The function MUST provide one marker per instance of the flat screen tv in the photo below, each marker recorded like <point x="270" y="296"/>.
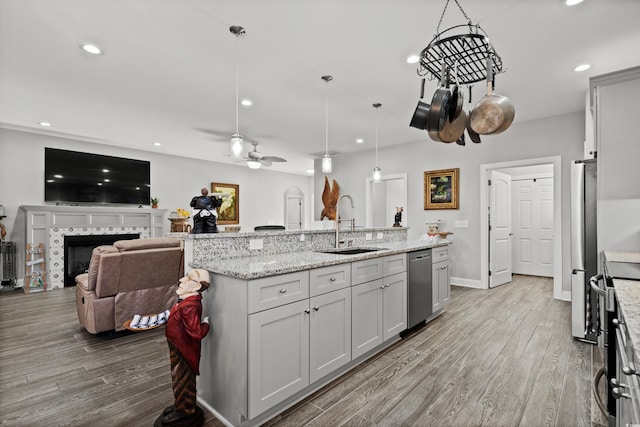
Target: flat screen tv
<point x="73" y="177"/>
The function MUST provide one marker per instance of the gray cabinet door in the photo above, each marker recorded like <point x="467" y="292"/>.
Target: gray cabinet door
<point x="366" y="317"/>
<point x="330" y="333"/>
<point x="394" y="305"/>
<point x="440" y="285"/>
<point x="278" y="355"/>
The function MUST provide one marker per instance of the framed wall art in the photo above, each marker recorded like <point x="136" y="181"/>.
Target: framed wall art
<point x="229" y="211"/>
<point x="441" y="189"/>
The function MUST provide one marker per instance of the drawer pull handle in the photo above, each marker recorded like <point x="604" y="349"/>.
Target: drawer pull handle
<point x="283" y="290"/>
<point x="382" y="287"/>
<point x="387" y="285"/>
<point x="333" y="279"/>
<point x="306" y="310"/>
<point x="618" y="394"/>
<point x="615" y="383"/>
<point x="316" y="308"/>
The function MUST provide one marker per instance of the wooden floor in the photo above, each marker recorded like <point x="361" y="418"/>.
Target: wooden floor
<point x="500" y="357"/>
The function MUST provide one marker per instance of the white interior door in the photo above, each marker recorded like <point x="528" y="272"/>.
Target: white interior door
<point x="533" y="227"/>
<point x="500" y="229"/>
<point x="294" y="213"/>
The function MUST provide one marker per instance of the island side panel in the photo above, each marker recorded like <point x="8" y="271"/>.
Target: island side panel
<point x="223" y="368"/>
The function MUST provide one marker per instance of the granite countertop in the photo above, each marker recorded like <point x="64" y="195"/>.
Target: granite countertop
<point x="622" y="256"/>
<point x="628" y="294"/>
<point x="256" y="267"/>
<point x="256" y="234"/>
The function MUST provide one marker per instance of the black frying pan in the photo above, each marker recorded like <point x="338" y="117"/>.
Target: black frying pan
<point x="439" y="111"/>
<point x="419" y="118"/>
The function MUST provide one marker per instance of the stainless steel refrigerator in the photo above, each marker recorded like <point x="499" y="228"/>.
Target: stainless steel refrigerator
<point x="584" y="249"/>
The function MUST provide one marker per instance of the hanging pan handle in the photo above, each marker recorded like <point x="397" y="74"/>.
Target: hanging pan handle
<point x="422" y="89"/>
<point x="489" y="75"/>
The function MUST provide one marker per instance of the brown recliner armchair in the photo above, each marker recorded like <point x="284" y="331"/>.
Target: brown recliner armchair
<point x="130" y="277"/>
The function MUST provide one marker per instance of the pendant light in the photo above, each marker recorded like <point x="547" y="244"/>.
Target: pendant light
<point x="237" y="142"/>
<point x="326" y="159"/>
<point x="377" y="174"/>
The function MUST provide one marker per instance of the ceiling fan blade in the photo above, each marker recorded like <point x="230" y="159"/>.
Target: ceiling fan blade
<point x="265" y="162"/>
<point x="273" y="159"/>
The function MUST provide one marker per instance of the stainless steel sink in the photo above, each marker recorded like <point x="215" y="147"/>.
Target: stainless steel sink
<point x="350" y="251"/>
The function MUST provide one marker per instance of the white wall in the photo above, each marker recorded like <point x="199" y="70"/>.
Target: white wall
<point x="555" y="136"/>
<point x="174" y="180"/>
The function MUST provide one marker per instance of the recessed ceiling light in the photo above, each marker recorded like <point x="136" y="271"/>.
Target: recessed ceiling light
<point x="359" y="140"/>
<point x="100" y="183"/>
<point x="105" y="170"/>
<point x="157" y="144"/>
<point x="51" y="180"/>
<point x="57" y="176"/>
<point x="412" y="59"/>
<point x="246" y="102"/>
<point x="310" y="171"/>
<point x="107" y="180"/>
<point x="572" y="2"/>
<point x="92" y="49"/>
<point x="45" y="124"/>
<point x="582" y="67"/>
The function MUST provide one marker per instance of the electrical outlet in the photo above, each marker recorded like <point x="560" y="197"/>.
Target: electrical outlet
<point x="462" y="223"/>
<point x="379" y="236"/>
<point x="255" y="244"/>
<point x="368" y="236"/>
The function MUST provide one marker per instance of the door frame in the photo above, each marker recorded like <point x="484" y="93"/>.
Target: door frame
<point x="558" y="266"/>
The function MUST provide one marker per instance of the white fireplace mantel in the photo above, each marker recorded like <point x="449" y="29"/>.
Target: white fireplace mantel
<point x="49" y="224"/>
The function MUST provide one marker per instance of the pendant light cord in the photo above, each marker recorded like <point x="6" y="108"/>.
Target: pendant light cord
<point x="326" y="122"/>
<point x="377" y="106"/>
<point x="237" y="81"/>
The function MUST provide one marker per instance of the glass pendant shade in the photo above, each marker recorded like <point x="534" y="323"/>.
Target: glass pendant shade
<point x="236" y="145"/>
<point x="326" y="164"/>
<point x="377" y="174"/>
<point x="254" y="165"/>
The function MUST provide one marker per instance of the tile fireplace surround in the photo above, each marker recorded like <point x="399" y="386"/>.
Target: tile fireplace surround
<point x="49" y="225"/>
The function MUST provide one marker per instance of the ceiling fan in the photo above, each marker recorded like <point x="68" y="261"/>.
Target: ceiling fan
<point x="255" y="159"/>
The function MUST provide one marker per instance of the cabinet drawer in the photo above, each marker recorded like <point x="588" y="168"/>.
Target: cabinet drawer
<point x="327" y="279"/>
<point x="278" y="290"/>
<point x="393" y="264"/>
<point x="440" y="254"/>
<point x="366" y="270"/>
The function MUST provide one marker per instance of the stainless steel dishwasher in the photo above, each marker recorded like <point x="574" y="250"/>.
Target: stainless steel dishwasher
<point x="419" y="304"/>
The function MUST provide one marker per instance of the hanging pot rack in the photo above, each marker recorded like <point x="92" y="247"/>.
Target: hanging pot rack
<point x="468" y="51"/>
<point x="464" y="46"/>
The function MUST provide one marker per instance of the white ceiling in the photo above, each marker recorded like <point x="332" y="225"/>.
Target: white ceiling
<point x="169" y="71"/>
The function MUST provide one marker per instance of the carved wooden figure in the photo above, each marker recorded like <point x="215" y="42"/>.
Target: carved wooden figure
<point x="330" y="197"/>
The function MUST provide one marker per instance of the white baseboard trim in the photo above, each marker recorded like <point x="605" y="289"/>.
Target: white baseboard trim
<point x="467" y="283"/>
<point x="566" y="296"/>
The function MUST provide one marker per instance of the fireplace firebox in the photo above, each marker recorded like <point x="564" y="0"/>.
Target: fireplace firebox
<point x="77" y="252"/>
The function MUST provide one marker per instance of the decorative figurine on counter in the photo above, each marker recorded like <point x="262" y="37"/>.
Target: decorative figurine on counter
<point x="205" y="217"/>
<point x="398" y="217"/>
<point x="184" y="334"/>
<point x="330" y="198"/>
<point x="434" y="234"/>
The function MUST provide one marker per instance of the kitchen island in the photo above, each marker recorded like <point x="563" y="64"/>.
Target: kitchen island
<point x="285" y="324"/>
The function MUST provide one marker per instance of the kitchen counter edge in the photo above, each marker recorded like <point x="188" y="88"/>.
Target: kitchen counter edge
<point x="256" y="267"/>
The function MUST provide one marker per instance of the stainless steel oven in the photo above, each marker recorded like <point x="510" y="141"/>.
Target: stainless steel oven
<point x="623" y="387"/>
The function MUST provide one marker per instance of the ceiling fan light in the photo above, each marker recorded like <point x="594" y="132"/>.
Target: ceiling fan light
<point x="326" y="164"/>
<point x="253" y="164"/>
<point x="236" y="145"/>
<point x="377" y="174"/>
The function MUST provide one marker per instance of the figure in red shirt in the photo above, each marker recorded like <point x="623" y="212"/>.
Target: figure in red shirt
<point x="184" y="332"/>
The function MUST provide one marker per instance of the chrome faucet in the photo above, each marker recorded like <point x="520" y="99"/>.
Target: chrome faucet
<point x="338" y="218"/>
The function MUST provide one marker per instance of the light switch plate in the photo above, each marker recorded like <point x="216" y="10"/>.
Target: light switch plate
<point x="255" y="244"/>
<point x="462" y="223"/>
<point x="302" y="237"/>
<point x="379" y="236"/>
<point x="368" y="236"/>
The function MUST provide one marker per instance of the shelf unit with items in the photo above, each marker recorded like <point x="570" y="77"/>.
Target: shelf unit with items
<point x="36" y="278"/>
